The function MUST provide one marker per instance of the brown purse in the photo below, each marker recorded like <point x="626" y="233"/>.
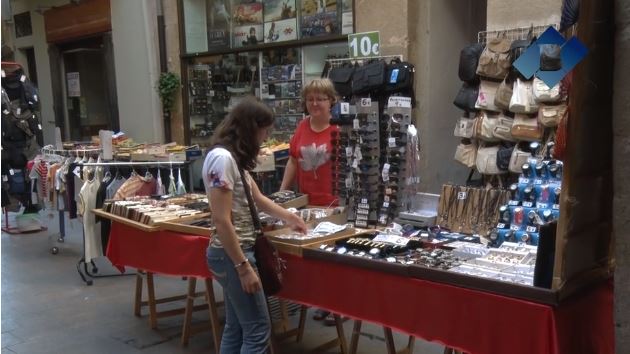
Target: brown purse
<point x="270" y="265"/>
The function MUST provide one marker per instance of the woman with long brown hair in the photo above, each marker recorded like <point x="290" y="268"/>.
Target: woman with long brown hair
<point x="236" y="143"/>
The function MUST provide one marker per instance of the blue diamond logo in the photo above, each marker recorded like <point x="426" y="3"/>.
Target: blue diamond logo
<point x="571" y="53"/>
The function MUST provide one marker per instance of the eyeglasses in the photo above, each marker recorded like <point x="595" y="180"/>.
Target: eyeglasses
<point x="311" y="100"/>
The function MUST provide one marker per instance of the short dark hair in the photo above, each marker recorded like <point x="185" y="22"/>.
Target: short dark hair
<point x="237" y="132"/>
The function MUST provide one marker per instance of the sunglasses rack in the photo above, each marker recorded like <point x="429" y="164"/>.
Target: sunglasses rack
<point x="395" y="124"/>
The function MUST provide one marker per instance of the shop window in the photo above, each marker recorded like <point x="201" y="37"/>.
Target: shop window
<point x="219" y="25"/>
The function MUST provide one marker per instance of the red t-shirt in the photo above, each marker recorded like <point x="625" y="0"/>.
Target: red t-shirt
<point x="312" y="151"/>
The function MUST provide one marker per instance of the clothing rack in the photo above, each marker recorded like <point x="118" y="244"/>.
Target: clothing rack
<point x="340" y="61"/>
<point x="514" y="33"/>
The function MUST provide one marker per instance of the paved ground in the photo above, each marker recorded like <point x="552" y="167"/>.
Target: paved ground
<point x="46" y="308"/>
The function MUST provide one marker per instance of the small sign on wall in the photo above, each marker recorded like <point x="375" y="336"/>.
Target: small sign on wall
<point x="73" y="84"/>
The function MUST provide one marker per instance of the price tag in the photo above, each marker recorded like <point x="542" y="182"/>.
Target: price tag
<point x="364" y="206"/>
<point x="461" y="195"/>
<point x="385" y="204"/>
<point x="542" y="205"/>
<point x="555" y="207"/>
<point x="523" y="180"/>
<point x="389" y="259"/>
<point x="531" y="229"/>
<point x="19" y="111"/>
<point x="35" y="98"/>
<point x="5" y="178"/>
<point x="23" y="78"/>
<point x="500" y="225"/>
<point x="211" y="93"/>
<point x="355" y="163"/>
<point x="392" y="142"/>
<point x="366" y="102"/>
<point x="538" y="181"/>
<point x="360" y="223"/>
<point x="528" y="204"/>
<point x="349" y="151"/>
<point x="77" y="171"/>
<point x="4" y="74"/>
<point x="11" y="172"/>
<point x="364" y="200"/>
<point x="388" y="191"/>
<point x="357" y="153"/>
<point x="514" y="202"/>
<point x="348" y="182"/>
<point x="515" y="227"/>
<point x="393" y="239"/>
<point x="6" y="111"/>
<point x="386" y="198"/>
<point x="363" y="211"/>
<point x="362" y="217"/>
<point x="39" y="126"/>
<point x="355" y="124"/>
<point x="345" y="108"/>
<point x="398" y="101"/>
<point x="385" y="173"/>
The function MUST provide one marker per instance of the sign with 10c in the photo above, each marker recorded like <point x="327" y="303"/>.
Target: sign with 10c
<point x="366" y="44"/>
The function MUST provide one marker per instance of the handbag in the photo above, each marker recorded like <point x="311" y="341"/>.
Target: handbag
<point x="487" y="160"/>
<point x="341" y="78"/>
<point x="484" y="126"/>
<point x="464" y="128"/>
<point x="467" y="97"/>
<point x="550" y="116"/>
<point x="526" y="128"/>
<point x="522" y="100"/>
<point x="504" y="94"/>
<point x="399" y="76"/>
<point x="466" y="153"/>
<point x="369" y="77"/>
<point x="504" y="157"/>
<point x="270" y="265"/>
<point x="519" y="157"/>
<point x="495" y="59"/>
<point x="486" y="96"/>
<point x="550" y="59"/>
<point x="503" y="129"/>
<point x="468" y="62"/>
<point x="543" y="93"/>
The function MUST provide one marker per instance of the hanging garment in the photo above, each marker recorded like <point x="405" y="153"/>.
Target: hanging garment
<point x="172" y="188"/>
<point x="160" y="189"/>
<point x="147" y="187"/>
<point x="93" y="247"/>
<point x="129" y="188"/>
<point x="181" y="188"/>
<point x="114" y="185"/>
<point x="105" y="224"/>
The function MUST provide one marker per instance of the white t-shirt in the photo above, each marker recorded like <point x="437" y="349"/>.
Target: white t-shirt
<point x="221" y="171"/>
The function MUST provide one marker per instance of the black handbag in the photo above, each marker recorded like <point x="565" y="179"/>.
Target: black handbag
<point x="399" y="76"/>
<point x="550" y="59"/>
<point x="341" y="78"/>
<point x="270" y="265"/>
<point x="466" y="97"/>
<point x="369" y="77"/>
<point x="468" y="62"/>
<point x="503" y="157"/>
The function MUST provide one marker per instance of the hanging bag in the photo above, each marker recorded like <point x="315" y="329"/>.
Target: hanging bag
<point x="368" y="77"/>
<point x="270" y="265"/>
<point x="550" y="59"/>
<point x="503" y="129"/>
<point x="485" y="123"/>
<point x="487" y="160"/>
<point x="504" y="94"/>
<point x="464" y="128"/>
<point x="519" y="157"/>
<point x="526" y="128"/>
<point x="341" y="78"/>
<point x="399" y="76"/>
<point x="522" y="100"/>
<point x="466" y="153"/>
<point x="468" y="62"/>
<point x="544" y="93"/>
<point x="495" y="59"/>
<point x="467" y="97"/>
<point x="486" y="97"/>
<point x="550" y="116"/>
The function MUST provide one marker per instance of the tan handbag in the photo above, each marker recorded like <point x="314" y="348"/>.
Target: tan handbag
<point x="466" y="153"/>
<point x="544" y="93"/>
<point x="484" y="126"/>
<point x="550" y="116"/>
<point x="487" y="161"/>
<point x="503" y="129"/>
<point x="494" y="61"/>
<point x="504" y="95"/>
<point x="464" y="128"/>
<point x="518" y="158"/>
<point x="526" y="128"/>
<point x="486" y="96"/>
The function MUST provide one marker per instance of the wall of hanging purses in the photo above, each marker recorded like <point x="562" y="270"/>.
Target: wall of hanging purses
<point x="372" y="170"/>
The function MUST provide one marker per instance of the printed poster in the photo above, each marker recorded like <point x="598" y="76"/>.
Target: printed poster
<point x="248" y="35"/>
<point x="319" y="24"/>
<point x="279" y="31"/>
<point x="346" y="23"/>
<point x="218" y="14"/>
<point x="248" y="14"/>
<point x="312" y="7"/>
<point x="73" y="83"/>
<point x="277" y="10"/>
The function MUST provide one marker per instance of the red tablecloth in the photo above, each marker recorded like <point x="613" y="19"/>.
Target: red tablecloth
<point x="161" y="252"/>
<point x="473" y="321"/>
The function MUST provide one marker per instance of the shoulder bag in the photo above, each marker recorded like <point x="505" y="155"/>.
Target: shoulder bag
<point x="270" y="265"/>
<point x="468" y="62"/>
<point x="526" y="128"/>
<point x="368" y="77"/>
<point x="486" y="97"/>
<point x="550" y="116"/>
<point x="341" y="78"/>
<point x="522" y="100"/>
<point x="544" y="93"/>
<point x="495" y="59"/>
<point x="467" y="97"/>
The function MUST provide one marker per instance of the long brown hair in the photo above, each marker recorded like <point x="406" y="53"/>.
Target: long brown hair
<point x="238" y="131"/>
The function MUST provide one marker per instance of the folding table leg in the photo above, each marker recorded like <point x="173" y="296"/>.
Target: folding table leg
<point x="354" y="341"/>
<point x="190" y="301"/>
<point x="151" y="301"/>
<point x="389" y="341"/>
<point x="137" y="304"/>
<point x="214" y="316"/>
<point x="303" y="312"/>
<point x="343" y="347"/>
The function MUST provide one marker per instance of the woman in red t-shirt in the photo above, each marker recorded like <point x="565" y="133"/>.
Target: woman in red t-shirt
<point x="310" y="148"/>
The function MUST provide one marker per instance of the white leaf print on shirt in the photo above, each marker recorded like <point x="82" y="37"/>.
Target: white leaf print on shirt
<point x="313" y="156"/>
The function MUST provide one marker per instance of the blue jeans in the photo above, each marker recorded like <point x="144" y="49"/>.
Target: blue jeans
<point x="247" y="323"/>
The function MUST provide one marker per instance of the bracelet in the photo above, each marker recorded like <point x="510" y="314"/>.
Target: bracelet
<point x="236" y="266"/>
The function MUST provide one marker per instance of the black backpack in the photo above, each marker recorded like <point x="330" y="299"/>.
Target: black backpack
<point x="468" y="61"/>
<point x="341" y="78"/>
<point x="399" y="77"/>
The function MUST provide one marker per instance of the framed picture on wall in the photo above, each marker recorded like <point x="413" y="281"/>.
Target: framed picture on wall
<point x="278" y="10"/>
<point x="248" y="14"/>
<point x="319" y="18"/>
<point x="248" y="35"/>
<point x="278" y="31"/>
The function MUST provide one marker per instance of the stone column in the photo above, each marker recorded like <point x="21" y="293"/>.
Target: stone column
<point x="171" y="23"/>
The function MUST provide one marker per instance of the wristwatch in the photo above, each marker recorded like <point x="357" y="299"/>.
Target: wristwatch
<point x="236" y="266"/>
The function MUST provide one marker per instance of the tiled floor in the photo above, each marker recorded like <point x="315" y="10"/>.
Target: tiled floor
<point x="46" y="308"/>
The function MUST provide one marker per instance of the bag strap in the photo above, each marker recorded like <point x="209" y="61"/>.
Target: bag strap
<point x="252" y="207"/>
